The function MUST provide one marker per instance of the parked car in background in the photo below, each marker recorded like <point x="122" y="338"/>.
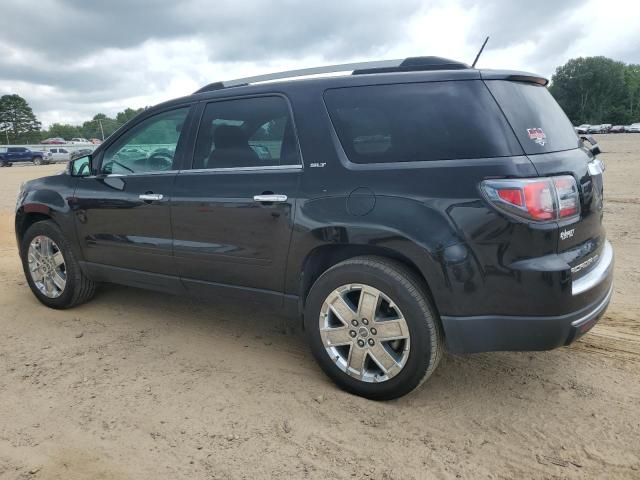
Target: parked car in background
<point x="11" y="155"/>
<point x="634" y="128"/>
<point x="78" y="140"/>
<point x="584" y="128"/>
<point x="605" y="127"/>
<point x="60" y="154"/>
<point x="595" y="129"/>
<point x="54" y="141"/>
<point x="391" y="244"/>
<point x="617" y="129"/>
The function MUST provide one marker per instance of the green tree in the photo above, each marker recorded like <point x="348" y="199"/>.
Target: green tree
<point x="18" y="124"/>
<point x="100" y="124"/>
<point x="64" y="131"/>
<point x="127" y="114"/>
<point x="591" y="89"/>
<point x="632" y="81"/>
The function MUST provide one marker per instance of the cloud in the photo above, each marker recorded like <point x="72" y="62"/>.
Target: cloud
<point x="73" y="58"/>
<point x="232" y="30"/>
<point x="510" y="22"/>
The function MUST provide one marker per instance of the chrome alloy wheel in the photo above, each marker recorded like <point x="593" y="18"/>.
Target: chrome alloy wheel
<point x="46" y="266"/>
<point x="364" y="333"/>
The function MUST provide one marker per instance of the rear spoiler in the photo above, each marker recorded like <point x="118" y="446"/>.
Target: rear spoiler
<point x="513" y="76"/>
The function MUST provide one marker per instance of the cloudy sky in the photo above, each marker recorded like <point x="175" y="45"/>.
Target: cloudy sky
<point x="73" y="58"/>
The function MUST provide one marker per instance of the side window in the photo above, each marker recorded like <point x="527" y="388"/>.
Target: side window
<point x="62" y="150"/>
<point x="148" y="147"/>
<point x="420" y="122"/>
<point x="248" y="132"/>
<point x="370" y="128"/>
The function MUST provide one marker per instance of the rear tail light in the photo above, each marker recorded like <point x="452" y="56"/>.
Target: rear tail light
<point x="537" y="199"/>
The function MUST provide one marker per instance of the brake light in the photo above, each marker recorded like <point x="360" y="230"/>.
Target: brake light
<point x="511" y="195"/>
<point x="567" y="191"/>
<point x="537" y="199"/>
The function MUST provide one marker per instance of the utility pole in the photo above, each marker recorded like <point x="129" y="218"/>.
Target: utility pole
<point x="101" y="129"/>
<point x="7" y="134"/>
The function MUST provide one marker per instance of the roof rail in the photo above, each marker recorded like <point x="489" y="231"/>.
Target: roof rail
<point x="381" y="66"/>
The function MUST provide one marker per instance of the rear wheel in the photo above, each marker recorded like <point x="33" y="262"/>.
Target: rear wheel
<point x="37" y="160"/>
<point x="372" y="328"/>
<point x="51" y="269"/>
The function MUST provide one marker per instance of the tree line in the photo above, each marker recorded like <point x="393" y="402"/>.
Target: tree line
<point x="598" y="90"/>
<point x="19" y="125"/>
<point x="591" y="90"/>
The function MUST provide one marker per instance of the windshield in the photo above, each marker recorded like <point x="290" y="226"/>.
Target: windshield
<point x="540" y="124"/>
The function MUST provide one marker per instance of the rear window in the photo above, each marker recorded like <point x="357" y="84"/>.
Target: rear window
<point x="420" y="121"/>
<point x="540" y="124"/>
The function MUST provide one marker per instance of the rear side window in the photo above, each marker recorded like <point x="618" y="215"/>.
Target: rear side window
<point x="420" y="121"/>
<point x="246" y="133"/>
<point x="539" y="122"/>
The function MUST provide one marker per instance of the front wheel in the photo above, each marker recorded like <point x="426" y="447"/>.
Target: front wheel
<point x="37" y="161"/>
<point x="372" y="328"/>
<point x="51" y="269"/>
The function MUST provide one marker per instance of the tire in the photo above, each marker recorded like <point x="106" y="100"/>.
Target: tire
<point x="77" y="289"/>
<point x="37" y="160"/>
<point x="402" y="296"/>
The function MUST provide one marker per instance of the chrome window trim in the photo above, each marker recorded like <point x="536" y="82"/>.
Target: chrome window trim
<point x="243" y="169"/>
<point x="141" y="174"/>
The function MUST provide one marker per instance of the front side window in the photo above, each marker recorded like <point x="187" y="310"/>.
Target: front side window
<point x="420" y="122"/>
<point x="148" y="147"/>
<point x="248" y="132"/>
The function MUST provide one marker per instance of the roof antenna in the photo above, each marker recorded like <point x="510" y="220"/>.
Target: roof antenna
<point x="479" y="53"/>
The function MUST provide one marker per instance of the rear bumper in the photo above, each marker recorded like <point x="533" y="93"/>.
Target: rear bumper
<point x="497" y="333"/>
<point x="527" y="333"/>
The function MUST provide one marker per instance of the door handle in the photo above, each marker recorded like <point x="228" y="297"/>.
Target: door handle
<point x="150" y="197"/>
<point x="274" y="198"/>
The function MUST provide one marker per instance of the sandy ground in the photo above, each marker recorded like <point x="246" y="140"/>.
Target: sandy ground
<point x="147" y="386"/>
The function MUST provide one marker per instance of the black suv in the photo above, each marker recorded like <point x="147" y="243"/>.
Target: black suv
<point x="401" y="209"/>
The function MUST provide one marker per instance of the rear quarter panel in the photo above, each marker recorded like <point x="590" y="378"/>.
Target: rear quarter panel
<point x="429" y="212"/>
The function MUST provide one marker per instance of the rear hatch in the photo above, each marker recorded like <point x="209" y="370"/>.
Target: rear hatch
<point x="550" y="142"/>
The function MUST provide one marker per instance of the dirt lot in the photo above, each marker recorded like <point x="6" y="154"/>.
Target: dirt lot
<point x="142" y="385"/>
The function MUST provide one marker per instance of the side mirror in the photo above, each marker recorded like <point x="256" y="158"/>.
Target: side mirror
<point x="80" y="167"/>
<point x="595" y="148"/>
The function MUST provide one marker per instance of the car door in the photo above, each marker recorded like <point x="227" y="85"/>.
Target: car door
<point x="15" y="154"/>
<point x="232" y="213"/>
<point x="59" y="154"/>
<point x="122" y="211"/>
<point x="24" y="154"/>
<point x="9" y="155"/>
